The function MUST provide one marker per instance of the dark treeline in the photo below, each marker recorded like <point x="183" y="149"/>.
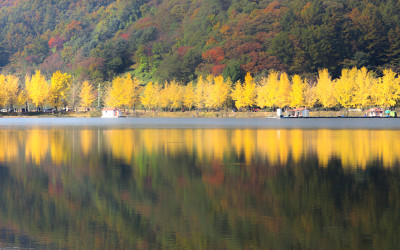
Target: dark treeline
<point x="181" y="39"/>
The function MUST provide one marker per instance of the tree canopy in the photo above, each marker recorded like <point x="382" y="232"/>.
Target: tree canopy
<point x="182" y="40"/>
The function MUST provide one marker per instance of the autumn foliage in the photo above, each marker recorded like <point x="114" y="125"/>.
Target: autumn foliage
<point x="355" y="88"/>
<point x="160" y="41"/>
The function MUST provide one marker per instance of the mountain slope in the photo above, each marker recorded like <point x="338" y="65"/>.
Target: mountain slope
<point x="159" y="40"/>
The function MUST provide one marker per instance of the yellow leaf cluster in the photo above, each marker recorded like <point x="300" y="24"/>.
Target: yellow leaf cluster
<point x="345" y="86"/>
<point x="268" y="90"/>
<point x="354" y="88"/>
<point x="388" y="88"/>
<point x="200" y="93"/>
<point x="123" y="92"/>
<point x="325" y="89"/>
<point x="37" y="89"/>
<point x="87" y="95"/>
<point x="171" y="96"/>
<point x="188" y="96"/>
<point x="298" y="93"/>
<point x="150" y="95"/>
<point x="217" y="93"/>
<point x="60" y="84"/>
<point x="9" y="87"/>
<point x="244" y="94"/>
<point x="365" y="85"/>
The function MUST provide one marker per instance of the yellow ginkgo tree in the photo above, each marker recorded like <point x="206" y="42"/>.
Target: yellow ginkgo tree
<point x="171" y="96"/>
<point x="237" y="95"/>
<point x="267" y="90"/>
<point x="175" y="94"/>
<point x="364" y="94"/>
<point x="9" y="86"/>
<point x="59" y="85"/>
<point x="325" y="89"/>
<point x="245" y="94"/>
<point x="345" y="88"/>
<point x="310" y="95"/>
<point x="200" y="93"/>
<point x="87" y="95"/>
<point x="189" y="96"/>
<point x="150" y="95"/>
<point x="298" y="91"/>
<point x="388" y="89"/>
<point x="283" y="93"/>
<point x="123" y="92"/>
<point x="22" y="98"/>
<point x="37" y="89"/>
<point x="219" y="92"/>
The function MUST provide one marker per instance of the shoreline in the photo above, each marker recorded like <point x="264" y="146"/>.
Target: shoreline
<point x="185" y="114"/>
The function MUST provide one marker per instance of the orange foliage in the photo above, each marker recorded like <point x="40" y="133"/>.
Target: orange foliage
<point x="74" y="26"/>
<point x="214" y="55"/>
<point x="272" y="7"/>
<point x="224" y="29"/>
<point x="56" y="42"/>
<point x="218" y="69"/>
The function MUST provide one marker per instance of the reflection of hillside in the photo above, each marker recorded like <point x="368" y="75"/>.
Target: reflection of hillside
<point x="211" y="189"/>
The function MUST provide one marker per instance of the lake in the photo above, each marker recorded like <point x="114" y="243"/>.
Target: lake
<point x="192" y="183"/>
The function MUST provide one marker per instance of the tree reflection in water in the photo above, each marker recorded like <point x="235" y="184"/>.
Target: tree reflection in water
<point x="199" y="188"/>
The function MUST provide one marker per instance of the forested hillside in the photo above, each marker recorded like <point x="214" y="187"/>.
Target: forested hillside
<point x="161" y="40"/>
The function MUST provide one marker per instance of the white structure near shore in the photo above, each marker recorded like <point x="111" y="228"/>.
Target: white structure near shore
<point x="374" y="112"/>
<point x="299" y="112"/>
<point x="279" y="112"/>
<point x="111" y="113"/>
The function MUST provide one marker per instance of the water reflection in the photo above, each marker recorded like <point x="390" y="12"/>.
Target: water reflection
<point x="354" y="148"/>
<point x="199" y="188"/>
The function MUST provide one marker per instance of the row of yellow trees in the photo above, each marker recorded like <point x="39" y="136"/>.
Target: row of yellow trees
<point x="39" y="92"/>
<point x="355" y="88"/>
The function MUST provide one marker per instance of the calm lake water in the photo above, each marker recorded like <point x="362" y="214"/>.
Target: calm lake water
<point x="200" y="183"/>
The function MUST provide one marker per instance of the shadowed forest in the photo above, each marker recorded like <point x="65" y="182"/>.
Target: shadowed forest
<point x="182" y="40"/>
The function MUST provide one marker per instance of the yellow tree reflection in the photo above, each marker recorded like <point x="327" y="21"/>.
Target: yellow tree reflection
<point x="353" y="148"/>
